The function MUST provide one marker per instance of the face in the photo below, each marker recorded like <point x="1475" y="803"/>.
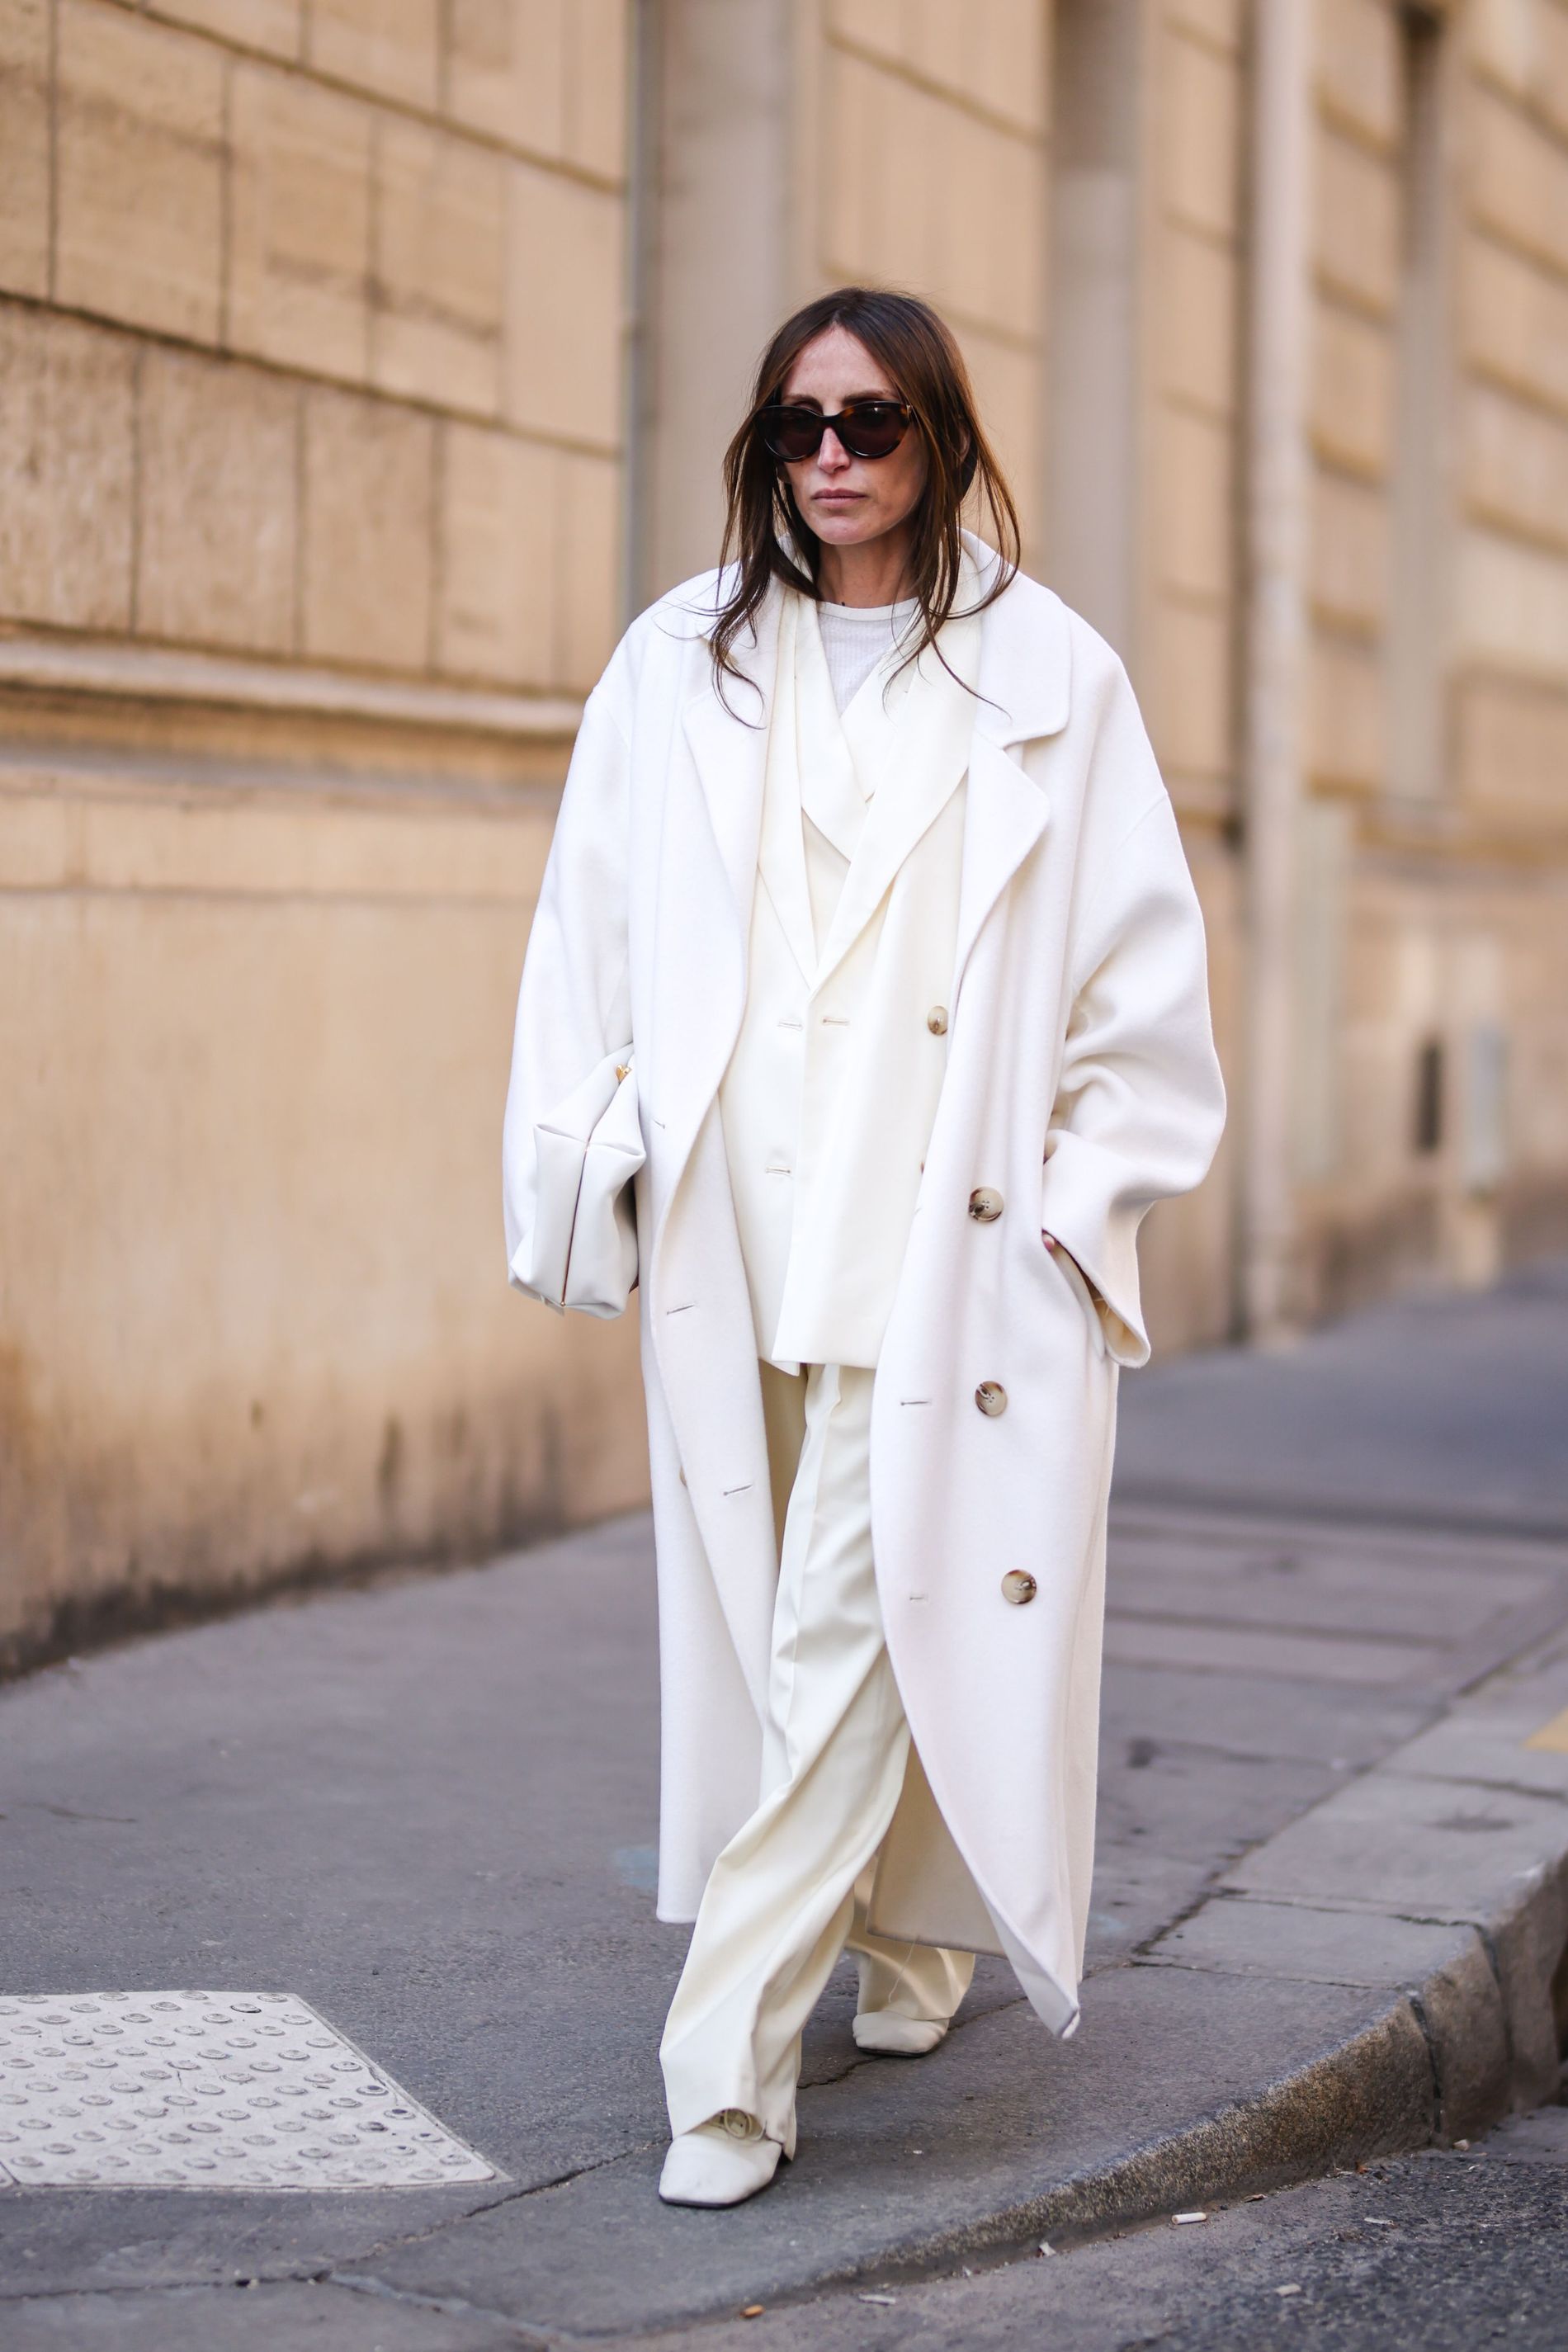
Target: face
<point x="846" y="500"/>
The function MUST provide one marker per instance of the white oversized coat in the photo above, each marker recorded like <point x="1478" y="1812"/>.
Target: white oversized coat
<point x="1081" y="1084"/>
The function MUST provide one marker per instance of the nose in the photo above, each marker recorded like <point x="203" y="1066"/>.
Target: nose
<point x="833" y="457"/>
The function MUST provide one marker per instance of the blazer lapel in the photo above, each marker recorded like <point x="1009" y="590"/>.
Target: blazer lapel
<point x="922" y="754"/>
<point x="782" y="854"/>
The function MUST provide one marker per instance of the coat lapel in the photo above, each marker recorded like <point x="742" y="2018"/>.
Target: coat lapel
<point x="1026" y="684"/>
<point x="730" y="750"/>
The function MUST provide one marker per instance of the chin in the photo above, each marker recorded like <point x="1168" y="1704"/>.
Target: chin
<point x="845" y="530"/>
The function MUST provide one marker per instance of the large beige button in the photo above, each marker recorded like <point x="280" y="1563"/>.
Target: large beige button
<point x="991" y="1397"/>
<point x="984" y="1204"/>
<point x="1018" y="1587"/>
<point x="936" y="1021"/>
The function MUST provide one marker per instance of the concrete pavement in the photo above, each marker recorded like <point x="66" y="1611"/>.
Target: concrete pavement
<point x="1328" y="1907"/>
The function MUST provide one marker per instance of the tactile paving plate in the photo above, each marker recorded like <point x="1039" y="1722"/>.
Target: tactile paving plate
<point x="206" y="2090"/>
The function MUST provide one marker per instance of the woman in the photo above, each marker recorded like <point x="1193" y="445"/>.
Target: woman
<point x="864" y="850"/>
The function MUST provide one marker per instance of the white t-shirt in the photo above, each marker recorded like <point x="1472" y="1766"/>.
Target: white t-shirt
<point x="854" y="638"/>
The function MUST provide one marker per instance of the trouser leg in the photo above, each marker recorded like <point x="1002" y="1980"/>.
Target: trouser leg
<point x="781" y="1900"/>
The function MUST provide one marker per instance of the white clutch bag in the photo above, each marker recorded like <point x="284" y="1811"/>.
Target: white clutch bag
<point x="579" y="1250"/>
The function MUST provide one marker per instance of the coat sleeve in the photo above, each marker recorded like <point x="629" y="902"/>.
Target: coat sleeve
<point x="574" y="1005"/>
<point x="1141" y="1101"/>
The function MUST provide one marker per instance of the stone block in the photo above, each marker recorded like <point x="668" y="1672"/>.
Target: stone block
<point x="1515" y="464"/>
<point x="1511" y="606"/>
<point x="1350" y="553"/>
<point x="1357" y="222"/>
<point x="1513" y="322"/>
<point x="66" y="425"/>
<point x="1529" y="1935"/>
<point x="589" y="592"/>
<point x="1425" y="1849"/>
<point x="1310" y="1944"/>
<point x="277" y="27"/>
<point x="563" y="306"/>
<point x="1008" y="389"/>
<point x="500" y="562"/>
<point x="216" y="551"/>
<point x="1516" y="179"/>
<point x="1219" y="21"/>
<point x="1198" y="97"/>
<point x="1522" y="46"/>
<point x="1491" y="1746"/>
<point x="389" y="47"/>
<point x="986" y="203"/>
<point x="1194" y="514"/>
<point x="1510" y="752"/>
<point x="140" y="133"/>
<point x="1358" y="60"/>
<point x="1352" y="389"/>
<point x="1190" y="704"/>
<point x="24" y="144"/>
<point x="1466" y="2016"/>
<point x="299" y="274"/>
<point x="994" y="56"/>
<point x="437" y="281"/>
<point x="597" y="86"/>
<point x="883" y="163"/>
<point x="506" y="70"/>
<point x="368" y="484"/>
<point x="1346" y="711"/>
<point x="1196" y="292"/>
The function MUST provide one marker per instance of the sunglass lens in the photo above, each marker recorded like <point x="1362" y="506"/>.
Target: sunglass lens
<point x="792" y="434"/>
<point x="874" y="430"/>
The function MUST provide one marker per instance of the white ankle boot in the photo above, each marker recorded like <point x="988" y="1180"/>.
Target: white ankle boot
<point x="722" y="2162"/>
<point x="886" y="2034"/>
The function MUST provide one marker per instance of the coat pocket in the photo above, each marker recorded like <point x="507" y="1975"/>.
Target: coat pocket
<point x="1067" y="1266"/>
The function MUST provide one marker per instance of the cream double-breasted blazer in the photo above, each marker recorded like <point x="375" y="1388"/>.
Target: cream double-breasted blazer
<point x="1081" y="1085"/>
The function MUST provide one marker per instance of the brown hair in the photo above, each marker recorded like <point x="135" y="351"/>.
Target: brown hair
<point x="764" y="535"/>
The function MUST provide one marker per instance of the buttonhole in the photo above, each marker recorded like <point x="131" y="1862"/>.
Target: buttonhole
<point x="776" y="1167"/>
<point x="835" y="1021"/>
<point x="914" y="1400"/>
<point x="739" y="1490"/>
<point x="681" y="1310"/>
<point x="917" y="1596"/>
<point x="792" y="1025"/>
<point x="657" y="1122"/>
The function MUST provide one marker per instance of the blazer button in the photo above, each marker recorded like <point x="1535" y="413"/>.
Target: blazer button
<point x="991" y="1397"/>
<point x="1018" y="1587"/>
<point x="984" y="1204"/>
<point x="936" y="1021"/>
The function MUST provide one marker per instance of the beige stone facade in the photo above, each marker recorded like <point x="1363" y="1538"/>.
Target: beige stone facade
<point x="364" y="362"/>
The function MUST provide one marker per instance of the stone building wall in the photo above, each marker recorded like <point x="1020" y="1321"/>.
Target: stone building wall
<point x="312" y="424"/>
<point x="364" y="362"/>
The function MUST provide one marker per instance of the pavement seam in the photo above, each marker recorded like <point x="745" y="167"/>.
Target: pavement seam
<point x="452" y="2306"/>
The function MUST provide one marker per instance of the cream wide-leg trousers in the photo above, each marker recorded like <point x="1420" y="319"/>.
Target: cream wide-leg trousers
<point x="788" y="1892"/>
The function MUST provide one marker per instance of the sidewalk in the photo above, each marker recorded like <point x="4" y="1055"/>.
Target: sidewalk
<point x="1331" y="1894"/>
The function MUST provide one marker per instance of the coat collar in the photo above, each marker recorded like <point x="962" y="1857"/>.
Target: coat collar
<point x="1026" y="657"/>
